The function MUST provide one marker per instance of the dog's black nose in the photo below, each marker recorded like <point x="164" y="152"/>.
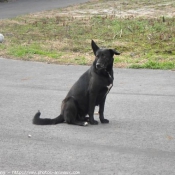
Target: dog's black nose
<point x="99" y="66"/>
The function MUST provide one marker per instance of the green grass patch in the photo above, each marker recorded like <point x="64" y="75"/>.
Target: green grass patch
<point x="154" y="65"/>
<point x="81" y="60"/>
<point x="23" y="51"/>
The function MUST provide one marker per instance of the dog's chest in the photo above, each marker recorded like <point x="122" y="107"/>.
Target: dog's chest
<point x="110" y="82"/>
<point x="106" y="84"/>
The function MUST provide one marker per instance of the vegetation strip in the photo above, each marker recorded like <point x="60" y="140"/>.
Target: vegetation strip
<point x="145" y="41"/>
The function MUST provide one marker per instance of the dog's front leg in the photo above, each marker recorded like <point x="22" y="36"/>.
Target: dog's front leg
<point x="101" y="111"/>
<point x="92" y="99"/>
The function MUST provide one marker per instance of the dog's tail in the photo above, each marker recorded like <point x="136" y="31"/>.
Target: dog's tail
<point x="47" y="121"/>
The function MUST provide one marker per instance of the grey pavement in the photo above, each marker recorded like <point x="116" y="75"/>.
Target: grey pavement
<point x="15" y="8"/>
<point x="139" y="140"/>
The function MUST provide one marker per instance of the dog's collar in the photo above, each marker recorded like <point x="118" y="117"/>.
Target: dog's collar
<point x="105" y="72"/>
<point x="108" y="74"/>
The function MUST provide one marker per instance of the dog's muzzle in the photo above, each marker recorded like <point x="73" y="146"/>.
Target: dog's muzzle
<point x="100" y="66"/>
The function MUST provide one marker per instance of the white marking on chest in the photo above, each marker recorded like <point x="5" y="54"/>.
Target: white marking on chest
<point x="109" y="87"/>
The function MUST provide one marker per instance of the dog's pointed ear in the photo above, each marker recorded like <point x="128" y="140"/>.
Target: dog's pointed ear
<point x="94" y="47"/>
<point x="113" y="51"/>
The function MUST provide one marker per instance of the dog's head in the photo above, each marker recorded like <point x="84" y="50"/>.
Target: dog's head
<point x="103" y="57"/>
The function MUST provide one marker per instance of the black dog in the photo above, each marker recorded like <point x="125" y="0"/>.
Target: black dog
<point x="89" y="91"/>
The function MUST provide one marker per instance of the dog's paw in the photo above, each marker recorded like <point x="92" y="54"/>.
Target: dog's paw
<point x="85" y="124"/>
<point x="94" y="122"/>
<point x="104" y="121"/>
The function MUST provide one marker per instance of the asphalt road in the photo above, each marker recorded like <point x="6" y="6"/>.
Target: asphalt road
<point x="139" y="140"/>
<point x="18" y="7"/>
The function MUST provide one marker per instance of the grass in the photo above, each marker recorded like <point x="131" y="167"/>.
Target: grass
<point x="65" y="38"/>
<point x="24" y="51"/>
